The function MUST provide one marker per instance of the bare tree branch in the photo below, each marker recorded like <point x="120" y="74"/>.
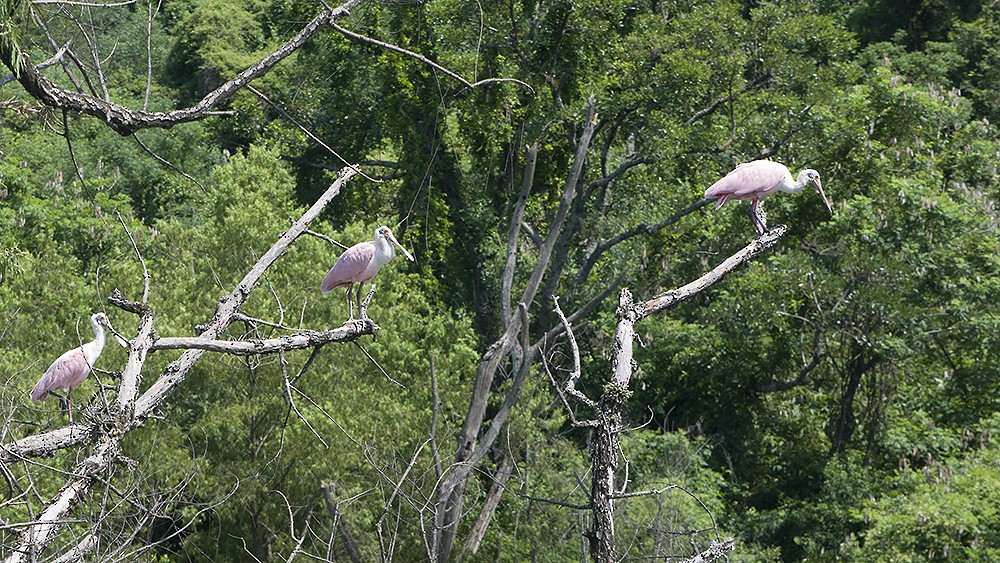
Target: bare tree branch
<point x="351" y="331"/>
<point x="804" y="371"/>
<point x="489" y="506"/>
<point x="605" y="447"/>
<point x="704" y="112"/>
<point x="80" y="551"/>
<point x="624" y="167"/>
<point x="435" y="412"/>
<point x="167" y="163"/>
<point x="302" y="128"/>
<point x="562" y="397"/>
<point x="797" y="125"/>
<point x="333" y="508"/>
<point x="56" y="58"/>
<point x="125" y="120"/>
<point x="36" y="445"/>
<point x="85" y="4"/>
<point x="574" y="375"/>
<point x="590" y="260"/>
<point x="507" y="282"/>
<point x="649" y="492"/>
<point x="425" y="60"/>
<point x="565" y="203"/>
<point x="530" y="231"/>
<point x="714" y="552"/>
<point x="675" y="296"/>
<point x="175" y="372"/>
<point x="451" y="489"/>
<point x="129" y="411"/>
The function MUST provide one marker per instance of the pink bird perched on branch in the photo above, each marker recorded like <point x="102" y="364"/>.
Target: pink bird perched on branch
<point x="72" y="368"/>
<point x="359" y="264"/>
<point x="758" y="179"/>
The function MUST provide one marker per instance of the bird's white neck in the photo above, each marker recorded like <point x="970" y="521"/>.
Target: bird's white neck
<point x="99" y="337"/>
<point x="788" y="185"/>
<point x="384" y="251"/>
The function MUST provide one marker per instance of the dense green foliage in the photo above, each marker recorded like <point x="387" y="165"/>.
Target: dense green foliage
<point x="837" y="400"/>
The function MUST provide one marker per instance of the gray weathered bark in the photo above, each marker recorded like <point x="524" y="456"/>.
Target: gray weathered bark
<point x="471" y="446"/>
<point x="131" y="411"/>
<point x="608" y="410"/>
<point x="125" y="120"/>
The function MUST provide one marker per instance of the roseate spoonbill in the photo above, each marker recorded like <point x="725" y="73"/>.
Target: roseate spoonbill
<point x="758" y="179"/>
<point x="359" y="264"/>
<point x="70" y="369"/>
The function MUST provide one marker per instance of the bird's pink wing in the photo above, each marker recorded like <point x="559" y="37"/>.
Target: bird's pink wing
<point x="67" y="372"/>
<point x="749" y="180"/>
<point x="348" y="267"/>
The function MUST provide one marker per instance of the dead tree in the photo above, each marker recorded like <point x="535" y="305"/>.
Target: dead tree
<point x="518" y="348"/>
<point x="515" y="351"/>
<point x="607" y="411"/>
<point x="103" y="433"/>
<point x="128" y="120"/>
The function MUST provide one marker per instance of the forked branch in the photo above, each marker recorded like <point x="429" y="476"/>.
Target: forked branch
<point x="606" y="444"/>
<point x="125" y="120"/>
<point x="79" y="434"/>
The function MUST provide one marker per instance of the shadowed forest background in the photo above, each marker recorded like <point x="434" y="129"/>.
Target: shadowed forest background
<point x="835" y="400"/>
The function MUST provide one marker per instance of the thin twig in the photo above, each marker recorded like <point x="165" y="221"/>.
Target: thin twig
<point x="291" y="402"/>
<point x="309" y="133"/>
<point x="574" y="375"/>
<point x="324" y="237"/>
<point x="435" y="407"/>
<point x="167" y="163"/>
<point x="380" y="368"/>
<point x="142" y="261"/>
<point x="425" y="60"/>
<point x="308" y="362"/>
<point x="56" y="58"/>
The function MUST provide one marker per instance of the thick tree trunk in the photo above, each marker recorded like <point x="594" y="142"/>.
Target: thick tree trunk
<point x="846" y="423"/>
<point x="608" y="423"/>
<point x="604" y="451"/>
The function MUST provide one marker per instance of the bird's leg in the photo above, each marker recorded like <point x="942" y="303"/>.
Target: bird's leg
<point x="69" y="405"/>
<point x="757" y="217"/>
<point x="62" y="400"/>
<point x="752" y="212"/>
<point x="762" y="217"/>
<point x="350" y="304"/>
<point x="362" y="312"/>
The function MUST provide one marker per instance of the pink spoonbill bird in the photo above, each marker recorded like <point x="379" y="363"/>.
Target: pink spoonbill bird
<point x="70" y="369"/>
<point x="359" y="264"/>
<point x="758" y="179"/>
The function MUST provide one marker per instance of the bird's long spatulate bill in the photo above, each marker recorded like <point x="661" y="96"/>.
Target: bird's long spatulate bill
<point x="396" y="242"/>
<point x="819" y="188"/>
